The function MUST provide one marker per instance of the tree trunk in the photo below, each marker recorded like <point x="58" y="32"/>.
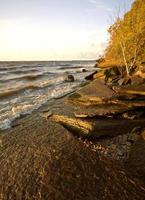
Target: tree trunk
<point x="124" y="57"/>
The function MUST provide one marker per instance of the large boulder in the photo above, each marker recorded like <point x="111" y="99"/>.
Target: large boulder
<point x="97" y="128"/>
<point x="93" y="93"/>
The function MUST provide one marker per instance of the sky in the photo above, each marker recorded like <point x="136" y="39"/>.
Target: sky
<point x="56" y="29"/>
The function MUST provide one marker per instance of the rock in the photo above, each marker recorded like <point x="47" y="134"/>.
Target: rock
<point x="137" y="80"/>
<point x="84" y="70"/>
<point x="96" y="65"/>
<point x="141" y="72"/>
<point x="113" y="146"/>
<point x="46" y="114"/>
<point x="99" y="75"/>
<point x="119" y="152"/>
<point x="121" y="81"/>
<point x="97" y="128"/>
<point x="133" y="90"/>
<point x="95" y="92"/>
<point x="1" y="144"/>
<point x="90" y="76"/>
<point x="104" y="110"/>
<point x="111" y="73"/>
<point x="134" y="135"/>
<point x="124" y="81"/>
<point x="69" y="78"/>
<point x="134" y="114"/>
<point x="136" y="161"/>
<point x="124" y="139"/>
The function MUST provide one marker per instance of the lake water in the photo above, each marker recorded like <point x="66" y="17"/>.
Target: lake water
<point x="25" y="86"/>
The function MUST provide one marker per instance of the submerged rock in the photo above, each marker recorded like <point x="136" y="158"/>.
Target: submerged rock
<point x="84" y="70"/>
<point x="69" y="78"/>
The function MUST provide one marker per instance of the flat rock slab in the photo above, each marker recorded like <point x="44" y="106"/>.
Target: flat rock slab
<point x="96" y="128"/>
<point x="46" y="162"/>
<point x="134" y="90"/>
<point x="104" y="110"/>
<point x="96" y="88"/>
<point x="95" y="91"/>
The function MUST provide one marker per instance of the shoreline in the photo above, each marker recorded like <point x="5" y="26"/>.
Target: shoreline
<point x="22" y="98"/>
<point x="48" y="153"/>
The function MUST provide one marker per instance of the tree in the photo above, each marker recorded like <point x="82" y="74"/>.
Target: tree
<point x="127" y="38"/>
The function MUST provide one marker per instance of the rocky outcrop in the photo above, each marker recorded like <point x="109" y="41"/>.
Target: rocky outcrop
<point x="97" y="128"/>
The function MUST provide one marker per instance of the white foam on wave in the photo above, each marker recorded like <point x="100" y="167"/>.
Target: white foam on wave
<point x="25" y="108"/>
<point x="44" y="89"/>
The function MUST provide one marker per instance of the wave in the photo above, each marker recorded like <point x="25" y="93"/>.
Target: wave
<point x="39" y="85"/>
<point x="31" y="77"/>
<point x="30" y="85"/>
<point x="17" y="91"/>
<point x="25" y="108"/>
<point x="25" y="72"/>
<point x="4" y="78"/>
<point x="70" y="67"/>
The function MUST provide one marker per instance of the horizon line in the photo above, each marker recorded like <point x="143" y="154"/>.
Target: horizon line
<point x="48" y="60"/>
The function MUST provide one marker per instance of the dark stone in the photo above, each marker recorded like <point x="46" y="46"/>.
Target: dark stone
<point x="69" y="78"/>
<point x="84" y="70"/>
<point x="96" y="65"/>
<point x="90" y="76"/>
<point x="134" y="114"/>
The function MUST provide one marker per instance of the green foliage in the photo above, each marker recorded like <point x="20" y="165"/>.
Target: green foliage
<point x="127" y="37"/>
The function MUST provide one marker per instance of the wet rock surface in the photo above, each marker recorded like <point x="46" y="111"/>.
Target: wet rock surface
<point x="70" y="78"/>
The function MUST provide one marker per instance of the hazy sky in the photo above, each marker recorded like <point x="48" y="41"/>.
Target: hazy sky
<point x="55" y="29"/>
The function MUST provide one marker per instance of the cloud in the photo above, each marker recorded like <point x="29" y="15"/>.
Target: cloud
<point x="92" y="1"/>
<point x="101" y="5"/>
<point x="20" y="40"/>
